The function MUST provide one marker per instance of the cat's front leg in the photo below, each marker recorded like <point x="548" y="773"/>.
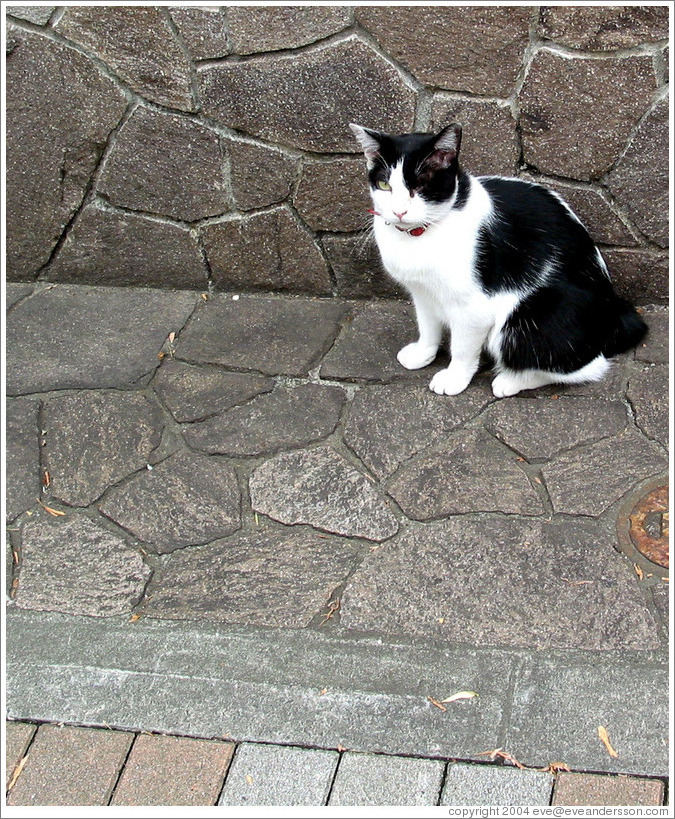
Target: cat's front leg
<point x="424" y="350"/>
<point x="467" y="337"/>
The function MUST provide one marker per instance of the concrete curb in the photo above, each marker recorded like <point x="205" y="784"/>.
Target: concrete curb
<point x="357" y="692"/>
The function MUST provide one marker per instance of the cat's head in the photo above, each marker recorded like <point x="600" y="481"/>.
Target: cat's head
<point x="413" y="177"/>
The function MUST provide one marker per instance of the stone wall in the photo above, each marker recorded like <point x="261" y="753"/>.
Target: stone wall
<point x="188" y="147"/>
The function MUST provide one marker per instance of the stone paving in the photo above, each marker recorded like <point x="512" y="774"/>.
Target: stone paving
<point x="263" y="462"/>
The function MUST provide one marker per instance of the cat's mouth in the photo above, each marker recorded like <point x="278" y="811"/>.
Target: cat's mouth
<point x="412" y="230"/>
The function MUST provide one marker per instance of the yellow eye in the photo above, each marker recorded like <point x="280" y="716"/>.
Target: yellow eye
<point x="383" y="186"/>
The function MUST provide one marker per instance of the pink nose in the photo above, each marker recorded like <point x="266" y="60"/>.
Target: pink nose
<point x="400" y="215"/>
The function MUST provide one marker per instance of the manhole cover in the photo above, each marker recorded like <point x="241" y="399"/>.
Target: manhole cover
<point x="645" y="522"/>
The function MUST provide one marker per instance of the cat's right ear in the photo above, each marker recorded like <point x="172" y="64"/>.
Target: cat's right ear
<point x="369" y="141"/>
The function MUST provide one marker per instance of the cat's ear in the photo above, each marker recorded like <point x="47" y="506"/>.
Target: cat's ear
<point x="445" y="147"/>
<point x="369" y="141"/>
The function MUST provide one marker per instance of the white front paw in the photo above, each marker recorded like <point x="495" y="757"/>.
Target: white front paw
<point x="447" y="382"/>
<point x="505" y="385"/>
<point x="416" y="355"/>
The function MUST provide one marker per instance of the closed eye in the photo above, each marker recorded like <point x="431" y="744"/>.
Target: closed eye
<point x="383" y="185"/>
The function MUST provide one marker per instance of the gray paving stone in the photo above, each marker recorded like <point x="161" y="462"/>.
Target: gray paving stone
<point x="72" y="564"/>
<point x="263" y="578"/>
<point x="185" y="500"/>
<point x="319" y="487"/>
<point x="71" y="766"/>
<point x="558" y="707"/>
<point x="591" y="789"/>
<point x="495" y="785"/>
<point x="260" y="175"/>
<point x="263" y="333"/>
<point x="72" y="336"/>
<point x="195" y="393"/>
<point x="14" y="292"/>
<point x="661" y="597"/>
<point x="22" y="461"/>
<point x="656" y="347"/>
<point x="648" y="395"/>
<point x="366" y="350"/>
<point x="93" y="439"/>
<point x="287" y="417"/>
<point x="389" y="424"/>
<point x="543" y="427"/>
<point x="357" y="267"/>
<point x="277" y="775"/>
<point x="470" y="473"/>
<point x="367" y="779"/>
<point x="588" y="480"/>
<point x="496" y="580"/>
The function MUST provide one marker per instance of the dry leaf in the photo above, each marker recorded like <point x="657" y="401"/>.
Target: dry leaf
<point x="172" y="336"/>
<point x="576" y="582"/>
<point x="17" y="773"/>
<point x="604" y="738"/>
<point x="497" y="752"/>
<point x="46" y="478"/>
<point x="638" y="571"/>
<point x="249" y="779"/>
<point x="341" y="747"/>
<point x="323" y="691"/>
<point x="437" y="703"/>
<point x="555" y="767"/>
<point x="135" y="617"/>
<point x="461" y="695"/>
<point x="57" y="513"/>
<point x="332" y="608"/>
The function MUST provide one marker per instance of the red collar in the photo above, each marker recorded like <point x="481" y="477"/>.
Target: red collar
<point x="416" y="231"/>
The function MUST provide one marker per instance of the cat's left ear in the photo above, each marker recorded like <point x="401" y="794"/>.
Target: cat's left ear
<point x="369" y="141"/>
<point x="445" y="147"/>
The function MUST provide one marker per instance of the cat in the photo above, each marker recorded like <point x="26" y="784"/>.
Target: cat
<point x="503" y="264"/>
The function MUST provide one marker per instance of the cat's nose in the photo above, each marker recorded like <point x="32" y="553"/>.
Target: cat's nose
<point x="400" y="215"/>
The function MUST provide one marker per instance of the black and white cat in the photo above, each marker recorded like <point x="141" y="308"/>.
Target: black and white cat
<point x="503" y="264"/>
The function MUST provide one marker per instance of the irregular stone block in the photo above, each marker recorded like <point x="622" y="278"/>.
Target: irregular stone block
<point x="461" y="49"/>
<point x="34" y="14"/>
<point x="271" y="29"/>
<point x="491" y="580"/>
<point x="203" y="30"/>
<point x="266" y="250"/>
<point x="542" y="427"/>
<point x="388" y="425"/>
<point x="137" y="42"/>
<point x="639" y="274"/>
<point x="360" y="85"/>
<point x="259" y="175"/>
<point x="108" y="247"/>
<point x="489" y="138"/>
<point x="77" y="337"/>
<point x="22" y="455"/>
<point x="287" y="417"/>
<point x="648" y="395"/>
<point x="93" y="439"/>
<point x="54" y="143"/>
<point x="166" y="164"/>
<point x="266" y="334"/>
<point x="452" y="481"/>
<point x="588" y="480"/>
<point x="367" y="349"/>
<point x="75" y="565"/>
<point x="333" y="195"/>
<point x="15" y="293"/>
<point x="357" y="267"/>
<point x="656" y="345"/>
<point x="603" y="28"/>
<point x="263" y="578"/>
<point x="639" y="179"/>
<point x="187" y="499"/>
<point x="321" y="488"/>
<point x="195" y="393"/>
<point x="577" y="114"/>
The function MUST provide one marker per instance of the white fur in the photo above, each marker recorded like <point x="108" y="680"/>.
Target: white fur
<point x="437" y="268"/>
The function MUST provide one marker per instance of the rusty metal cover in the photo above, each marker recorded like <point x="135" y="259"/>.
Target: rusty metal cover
<point x="643" y="524"/>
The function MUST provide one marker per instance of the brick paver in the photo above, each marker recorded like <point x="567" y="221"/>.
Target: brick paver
<point x="17" y="737"/>
<point x="592" y="789"/>
<point x="369" y="779"/>
<point x="494" y="785"/>
<point x="278" y="775"/>
<point x="71" y="766"/>
<point x="166" y="770"/>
